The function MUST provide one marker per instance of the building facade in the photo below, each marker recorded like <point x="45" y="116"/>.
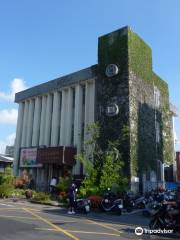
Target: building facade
<point x="178" y="166"/>
<point x="121" y="92"/>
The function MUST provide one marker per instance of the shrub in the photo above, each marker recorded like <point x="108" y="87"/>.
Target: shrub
<point x="6" y="190"/>
<point x="95" y="201"/>
<point x="7" y="176"/>
<point x="64" y="183"/>
<point x="41" y="197"/>
<point x="18" y="192"/>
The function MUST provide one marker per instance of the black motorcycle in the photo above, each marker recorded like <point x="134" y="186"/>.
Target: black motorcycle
<point x="128" y="202"/>
<point x="83" y="205"/>
<point x="111" y="203"/>
<point x="162" y="220"/>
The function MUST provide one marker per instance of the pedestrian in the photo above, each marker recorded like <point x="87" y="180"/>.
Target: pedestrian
<point x="53" y="184"/>
<point x="72" y="198"/>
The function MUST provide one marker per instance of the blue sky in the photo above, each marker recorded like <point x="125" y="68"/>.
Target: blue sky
<point x="41" y="40"/>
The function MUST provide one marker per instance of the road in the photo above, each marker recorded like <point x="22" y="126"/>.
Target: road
<point x="22" y="220"/>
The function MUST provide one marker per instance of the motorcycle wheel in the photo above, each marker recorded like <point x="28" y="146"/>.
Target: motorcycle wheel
<point x="119" y="211"/>
<point x="129" y="209"/>
<point x="154" y="224"/>
<point x="141" y="206"/>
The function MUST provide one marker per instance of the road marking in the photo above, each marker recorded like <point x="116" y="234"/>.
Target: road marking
<point x="20" y="217"/>
<point x="105" y="226"/>
<point x="15" y="208"/>
<point x="95" y="233"/>
<point x="8" y="205"/>
<point x="51" y="224"/>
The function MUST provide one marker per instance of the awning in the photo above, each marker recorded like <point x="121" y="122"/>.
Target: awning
<point x="61" y="155"/>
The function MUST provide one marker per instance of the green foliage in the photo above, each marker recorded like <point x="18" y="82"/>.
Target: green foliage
<point x="139" y="57"/>
<point x="89" y="185"/>
<point x="7" y="176"/>
<point x="17" y="192"/>
<point x="6" y="183"/>
<point x="64" y="183"/>
<point x="41" y="197"/>
<point x="111" y="173"/>
<point x="6" y="190"/>
<point x="106" y="168"/>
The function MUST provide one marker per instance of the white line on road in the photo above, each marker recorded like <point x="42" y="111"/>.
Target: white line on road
<point x="8" y="205"/>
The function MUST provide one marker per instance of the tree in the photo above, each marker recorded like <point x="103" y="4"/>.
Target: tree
<point x="103" y="168"/>
<point x="111" y="173"/>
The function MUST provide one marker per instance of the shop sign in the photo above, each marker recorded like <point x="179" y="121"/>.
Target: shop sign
<point x="28" y="158"/>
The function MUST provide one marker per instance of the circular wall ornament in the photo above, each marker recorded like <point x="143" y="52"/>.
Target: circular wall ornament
<point x="112" y="110"/>
<point x="112" y="70"/>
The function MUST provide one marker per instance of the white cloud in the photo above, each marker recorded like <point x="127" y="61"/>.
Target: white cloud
<point x="8" y="116"/>
<point x="16" y="85"/>
<point x="8" y="141"/>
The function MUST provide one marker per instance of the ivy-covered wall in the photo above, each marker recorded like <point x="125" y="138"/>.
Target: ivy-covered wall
<point x="132" y="89"/>
<point x="166" y="123"/>
<point x="112" y="48"/>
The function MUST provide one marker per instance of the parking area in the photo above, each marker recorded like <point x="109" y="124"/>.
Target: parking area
<point x="23" y="220"/>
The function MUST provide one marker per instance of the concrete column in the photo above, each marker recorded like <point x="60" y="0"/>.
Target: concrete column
<point x="89" y="113"/>
<point x="30" y="123"/>
<point x="92" y="102"/>
<point x="63" y="118"/>
<point x="18" y="138"/>
<point x="36" y="122"/>
<point x="89" y="104"/>
<point x="55" y="119"/>
<point x="48" y="120"/>
<point x="25" y="124"/>
<point x="43" y="121"/>
<point x="69" y="116"/>
<point x="87" y="110"/>
<point x="78" y="123"/>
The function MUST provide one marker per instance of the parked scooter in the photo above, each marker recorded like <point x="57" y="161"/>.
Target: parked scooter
<point x="110" y="202"/>
<point x="83" y="205"/>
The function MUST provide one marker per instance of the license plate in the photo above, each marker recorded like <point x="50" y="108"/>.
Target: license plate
<point x="120" y="206"/>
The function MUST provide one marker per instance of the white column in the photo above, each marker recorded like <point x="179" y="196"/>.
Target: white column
<point x="18" y="138"/>
<point x="69" y="116"/>
<point x="78" y="123"/>
<point x="63" y="118"/>
<point x="92" y="102"/>
<point x="25" y="123"/>
<point x="89" y="104"/>
<point x="55" y="119"/>
<point x="48" y="120"/>
<point x="43" y="121"/>
<point x="36" y="122"/>
<point x="89" y="114"/>
<point x="87" y="107"/>
<point x="30" y="123"/>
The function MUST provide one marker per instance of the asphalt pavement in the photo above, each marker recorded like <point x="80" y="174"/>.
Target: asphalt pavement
<point x="22" y="220"/>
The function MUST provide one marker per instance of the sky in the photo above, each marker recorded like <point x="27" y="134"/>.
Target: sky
<point x="45" y="39"/>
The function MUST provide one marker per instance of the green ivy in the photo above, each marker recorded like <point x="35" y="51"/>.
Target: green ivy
<point x="132" y="55"/>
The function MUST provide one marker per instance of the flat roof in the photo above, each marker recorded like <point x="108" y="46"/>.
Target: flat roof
<point x="70" y="79"/>
<point x="4" y="158"/>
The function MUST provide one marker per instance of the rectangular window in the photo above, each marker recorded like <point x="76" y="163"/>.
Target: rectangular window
<point x="156" y="97"/>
